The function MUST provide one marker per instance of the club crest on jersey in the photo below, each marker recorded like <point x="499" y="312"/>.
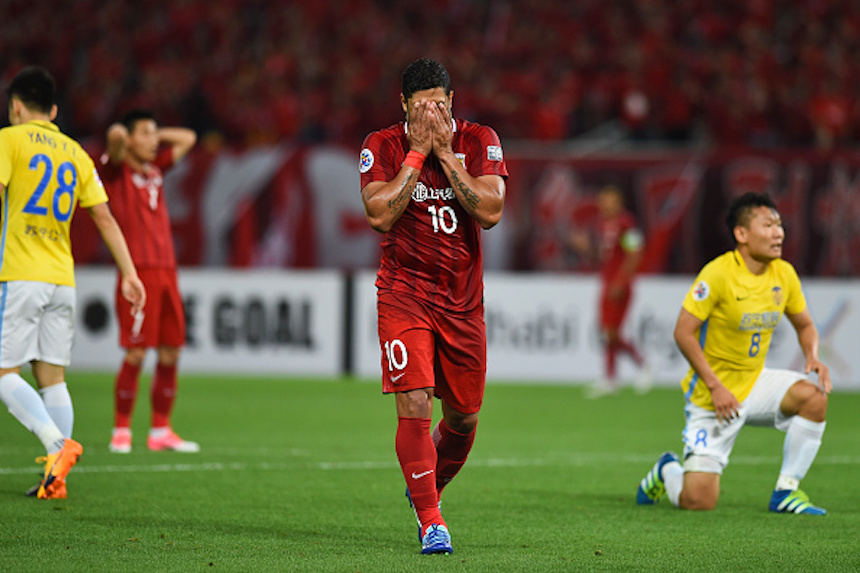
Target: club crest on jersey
<point x="461" y="157"/>
<point x="365" y="160"/>
<point x="777" y="295"/>
<point x="701" y="291"/>
<point x="423" y="193"/>
<point x="494" y="153"/>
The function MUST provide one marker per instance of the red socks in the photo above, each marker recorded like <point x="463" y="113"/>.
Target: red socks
<point x="613" y="349"/>
<point x="417" y="456"/>
<point x="610" y="352"/>
<point x="627" y="346"/>
<point x="163" y="394"/>
<point x="429" y="462"/>
<point x="125" y="393"/>
<point x="452" y="449"/>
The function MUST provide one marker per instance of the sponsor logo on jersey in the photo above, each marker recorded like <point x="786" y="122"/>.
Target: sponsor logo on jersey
<point x="494" y="153"/>
<point x="365" y="161"/>
<point x="701" y="291"/>
<point x="759" y="321"/>
<point x="423" y="193"/>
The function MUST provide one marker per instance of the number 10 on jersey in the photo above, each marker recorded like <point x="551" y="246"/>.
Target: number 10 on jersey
<point x="444" y="218"/>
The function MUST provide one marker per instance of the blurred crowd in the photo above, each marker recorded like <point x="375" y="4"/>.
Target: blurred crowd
<point x="763" y="73"/>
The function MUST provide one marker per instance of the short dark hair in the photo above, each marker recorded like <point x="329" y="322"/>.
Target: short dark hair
<point x="130" y="119"/>
<point x="740" y="209"/>
<point x="425" y="74"/>
<point x="34" y="86"/>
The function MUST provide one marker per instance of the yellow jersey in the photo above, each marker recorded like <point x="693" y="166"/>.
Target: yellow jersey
<point x="739" y="311"/>
<point x="44" y="175"/>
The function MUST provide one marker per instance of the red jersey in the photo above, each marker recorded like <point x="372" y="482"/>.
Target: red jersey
<point x="617" y="237"/>
<point x="137" y="202"/>
<point x="433" y="252"/>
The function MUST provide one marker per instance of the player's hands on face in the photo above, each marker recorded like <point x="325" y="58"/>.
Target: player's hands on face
<point x="420" y="127"/>
<point x="815" y="365"/>
<point x="726" y="405"/>
<point x="443" y="130"/>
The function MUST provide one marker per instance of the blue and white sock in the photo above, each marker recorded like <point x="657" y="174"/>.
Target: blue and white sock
<point x="58" y="402"/>
<point x="802" y="440"/>
<point x="673" y="481"/>
<point x="28" y="408"/>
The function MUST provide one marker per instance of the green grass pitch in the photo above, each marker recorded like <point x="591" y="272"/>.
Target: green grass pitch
<point x="300" y="475"/>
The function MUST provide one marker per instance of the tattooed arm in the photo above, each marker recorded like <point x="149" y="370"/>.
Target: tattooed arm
<point x="483" y="197"/>
<point x="385" y="201"/>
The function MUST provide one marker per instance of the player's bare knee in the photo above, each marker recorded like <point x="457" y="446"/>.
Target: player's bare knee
<point x="168" y="355"/>
<point x="697" y="501"/>
<point x="134" y="356"/>
<point x="461" y="423"/>
<point x="814" y="407"/>
<point x="701" y="489"/>
<point x="805" y="399"/>
<point x="415" y="403"/>
<point x="699" y="496"/>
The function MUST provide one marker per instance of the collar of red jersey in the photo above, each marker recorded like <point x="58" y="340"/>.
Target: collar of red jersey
<point x="453" y="125"/>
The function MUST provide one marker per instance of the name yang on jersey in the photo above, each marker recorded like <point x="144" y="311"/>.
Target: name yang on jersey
<point x="39" y="137"/>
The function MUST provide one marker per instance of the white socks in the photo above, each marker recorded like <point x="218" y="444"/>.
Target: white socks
<point x="58" y="402"/>
<point x="673" y="481"/>
<point x="158" y="432"/>
<point x="28" y="408"/>
<point x="802" y="440"/>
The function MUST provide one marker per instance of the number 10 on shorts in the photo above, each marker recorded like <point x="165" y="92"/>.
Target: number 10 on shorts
<point x="444" y="219"/>
<point x="396" y="353"/>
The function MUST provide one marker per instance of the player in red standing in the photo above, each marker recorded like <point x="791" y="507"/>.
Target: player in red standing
<point x="430" y="184"/>
<point x="617" y="247"/>
<point x="138" y="153"/>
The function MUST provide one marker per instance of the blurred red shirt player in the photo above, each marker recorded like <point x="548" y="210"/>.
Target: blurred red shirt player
<point x="616" y="243"/>
<point x="430" y="184"/>
<point x="138" y="153"/>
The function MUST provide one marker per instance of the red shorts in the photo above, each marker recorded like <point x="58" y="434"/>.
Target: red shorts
<point x="162" y="321"/>
<point x="424" y="348"/>
<point x="613" y="311"/>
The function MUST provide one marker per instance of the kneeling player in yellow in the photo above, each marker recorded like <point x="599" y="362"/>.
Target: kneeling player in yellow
<point x="724" y="330"/>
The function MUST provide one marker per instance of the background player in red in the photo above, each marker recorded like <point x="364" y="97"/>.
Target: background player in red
<point x="431" y="184"/>
<point x="616" y="244"/>
<point x="138" y="153"/>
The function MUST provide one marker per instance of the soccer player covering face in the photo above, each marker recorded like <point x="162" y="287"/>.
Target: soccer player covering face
<point x="616" y="245"/>
<point x="44" y="175"/>
<point x="138" y="153"/>
<point x="430" y="184"/>
<point x="724" y="330"/>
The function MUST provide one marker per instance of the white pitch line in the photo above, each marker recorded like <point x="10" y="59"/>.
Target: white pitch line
<point x="572" y="460"/>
